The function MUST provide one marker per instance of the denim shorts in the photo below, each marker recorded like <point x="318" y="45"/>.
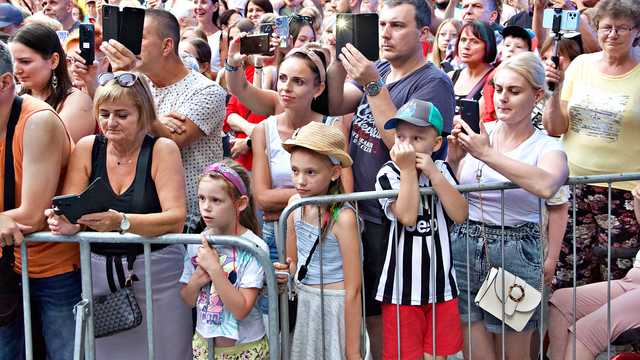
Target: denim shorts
<point x="522" y="257"/>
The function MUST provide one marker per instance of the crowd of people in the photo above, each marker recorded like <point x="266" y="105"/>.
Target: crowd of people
<point x="194" y="136"/>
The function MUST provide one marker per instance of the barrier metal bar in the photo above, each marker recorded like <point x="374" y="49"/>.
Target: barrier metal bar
<point x="26" y="303"/>
<point x="574" y="265"/>
<point x="149" y="301"/>
<point x="86" y="238"/>
<point x="608" y="272"/>
<point x="500" y="186"/>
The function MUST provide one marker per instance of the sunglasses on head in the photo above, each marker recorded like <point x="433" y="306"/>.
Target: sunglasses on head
<point x="125" y="79"/>
<point x="301" y="18"/>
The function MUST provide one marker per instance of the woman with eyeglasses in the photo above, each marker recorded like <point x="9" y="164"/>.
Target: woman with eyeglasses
<point x="41" y="69"/>
<point x="595" y="110"/>
<point x="145" y="177"/>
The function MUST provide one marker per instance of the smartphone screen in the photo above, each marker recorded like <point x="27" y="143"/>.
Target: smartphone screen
<point x="359" y="30"/>
<point x="131" y="27"/>
<point x="87" y="43"/>
<point x="254" y="44"/>
<point x="470" y="113"/>
<point x="110" y="22"/>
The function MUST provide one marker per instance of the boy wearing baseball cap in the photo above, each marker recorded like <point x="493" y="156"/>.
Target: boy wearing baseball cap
<point x="418" y="248"/>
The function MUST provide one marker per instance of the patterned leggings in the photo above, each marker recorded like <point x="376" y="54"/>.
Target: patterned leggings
<point x="591" y="231"/>
<point x="255" y="350"/>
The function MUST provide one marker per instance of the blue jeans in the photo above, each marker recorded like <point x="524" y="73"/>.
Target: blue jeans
<point x="269" y="236"/>
<point x="54" y="298"/>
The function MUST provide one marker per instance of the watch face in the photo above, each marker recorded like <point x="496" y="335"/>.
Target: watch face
<point x="373" y="88"/>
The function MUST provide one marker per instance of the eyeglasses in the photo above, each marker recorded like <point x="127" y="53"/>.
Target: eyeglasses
<point x="125" y="79"/>
<point x="301" y="18"/>
<point x="621" y="30"/>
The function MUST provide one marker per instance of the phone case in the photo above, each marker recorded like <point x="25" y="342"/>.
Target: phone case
<point x="359" y="30"/>
<point x="95" y="198"/>
<point x="470" y="113"/>
<point x="282" y="29"/>
<point x="110" y="22"/>
<point x="131" y="28"/>
<point x="254" y="44"/>
<point x="87" y="43"/>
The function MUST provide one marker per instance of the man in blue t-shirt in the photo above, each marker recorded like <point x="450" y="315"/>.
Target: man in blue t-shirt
<point x="375" y="93"/>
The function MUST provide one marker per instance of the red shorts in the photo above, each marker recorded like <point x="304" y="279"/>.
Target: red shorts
<point x="415" y="330"/>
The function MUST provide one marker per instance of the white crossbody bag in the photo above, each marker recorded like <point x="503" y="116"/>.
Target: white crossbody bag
<point x="518" y="299"/>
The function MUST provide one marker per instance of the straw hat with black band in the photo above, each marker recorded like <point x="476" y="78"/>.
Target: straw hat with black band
<point x="323" y="139"/>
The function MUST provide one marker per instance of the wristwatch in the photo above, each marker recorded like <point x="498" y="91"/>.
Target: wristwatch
<point x="373" y="88"/>
<point x="125" y="225"/>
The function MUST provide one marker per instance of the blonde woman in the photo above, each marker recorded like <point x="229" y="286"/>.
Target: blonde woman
<point x="444" y="42"/>
<point x="149" y="202"/>
<point x="518" y="152"/>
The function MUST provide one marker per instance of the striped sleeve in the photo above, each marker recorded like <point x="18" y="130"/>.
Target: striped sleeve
<point x="447" y="172"/>
<point x="388" y="178"/>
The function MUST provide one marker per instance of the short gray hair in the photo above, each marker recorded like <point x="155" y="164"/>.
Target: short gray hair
<point x="6" y="60"/>
<point x="423" y="12"/>
<point x="617" y="9"/>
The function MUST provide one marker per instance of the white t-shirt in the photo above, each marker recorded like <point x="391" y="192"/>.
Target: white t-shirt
<point x="203" y="102"/>
<point x="213" y="319"/>
<point x="520" y="206"/>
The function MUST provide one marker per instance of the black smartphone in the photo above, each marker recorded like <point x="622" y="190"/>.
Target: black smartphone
<point x="131" y="27"/>
<point x="95" y="198"/>
<point x="254" y="44"/>
<point x="359" y="30"/>
<point x="87" y="43"/>
<point x="470" y="113"/>
<point x="124" y="26"/>
<point x="110" y="22"/>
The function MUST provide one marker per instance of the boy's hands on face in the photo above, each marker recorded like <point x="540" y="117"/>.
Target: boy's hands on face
<point x="404" y="155"/>
<point x="425" y="164"/>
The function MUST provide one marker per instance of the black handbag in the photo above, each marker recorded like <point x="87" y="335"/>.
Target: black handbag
<point x="118" y="310"/>
<point x="10" y="299"/>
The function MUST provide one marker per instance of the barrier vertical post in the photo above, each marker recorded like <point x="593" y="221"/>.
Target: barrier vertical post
<point x="149" y="300"/>
<point x="26" y="302"/>
<point x="87" y="293"/>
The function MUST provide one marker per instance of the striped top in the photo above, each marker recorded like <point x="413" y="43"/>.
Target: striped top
<point x="411" y="249"/>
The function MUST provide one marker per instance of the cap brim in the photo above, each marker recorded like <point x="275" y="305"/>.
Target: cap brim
<point x="393" y="122"/>
<point x="5" y="24"/>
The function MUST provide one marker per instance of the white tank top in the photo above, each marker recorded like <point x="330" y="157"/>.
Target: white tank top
<point x="279" y="159"/>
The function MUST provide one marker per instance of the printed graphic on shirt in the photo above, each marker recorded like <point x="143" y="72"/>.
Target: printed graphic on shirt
<point x="364" y="133"/>
<point x="599" y="115"/>
<point x="211" y="311"/>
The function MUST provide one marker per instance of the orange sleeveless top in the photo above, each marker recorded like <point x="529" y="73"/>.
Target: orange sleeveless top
<point x="45" y="259"/>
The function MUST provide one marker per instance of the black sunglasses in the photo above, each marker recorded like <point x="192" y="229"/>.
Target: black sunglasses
<point x="301" y="18"/>
<point x="125" y="79"/>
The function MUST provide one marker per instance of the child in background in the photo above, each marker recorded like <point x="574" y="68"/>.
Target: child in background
<point x="223" y="282"/>
<point x="327" y="233"/>
<point x="412" y="236"/>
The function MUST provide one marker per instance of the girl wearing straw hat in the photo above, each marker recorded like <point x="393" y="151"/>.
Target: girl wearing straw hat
<point x="323" y="249"/>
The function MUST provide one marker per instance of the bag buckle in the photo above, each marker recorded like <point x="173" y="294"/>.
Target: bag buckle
<point x="518" y="296"/>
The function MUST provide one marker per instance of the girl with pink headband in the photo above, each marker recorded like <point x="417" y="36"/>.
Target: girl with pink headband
<point x="223" y="282"/>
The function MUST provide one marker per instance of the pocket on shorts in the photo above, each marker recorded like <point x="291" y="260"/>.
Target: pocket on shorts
<point x="529" y="252"/>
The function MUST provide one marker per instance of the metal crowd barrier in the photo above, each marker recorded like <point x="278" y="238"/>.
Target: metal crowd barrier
<point x="375" y="195"/>
<point x="84" y="308"/>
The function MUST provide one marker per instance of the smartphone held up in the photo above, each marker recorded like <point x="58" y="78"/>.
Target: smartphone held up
<point x="359" y="30"/>
<point x="123" y="25"/>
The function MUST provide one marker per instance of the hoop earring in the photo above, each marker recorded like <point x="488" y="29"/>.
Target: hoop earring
<point x="54" y="81"/>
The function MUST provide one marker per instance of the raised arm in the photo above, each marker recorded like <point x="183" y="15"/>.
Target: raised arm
<point x="77" y="115"/>
<point x="344" y="97"/>
<point x="259" y="101"/>
<point x="555" y="117"/>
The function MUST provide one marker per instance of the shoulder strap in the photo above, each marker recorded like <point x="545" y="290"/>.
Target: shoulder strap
<point x="267" y="141"/>
<point x="139" y="192"/>
<point x="478" y="86"/>
<point x="9" y="190"/>
<point x="455" y="76"/>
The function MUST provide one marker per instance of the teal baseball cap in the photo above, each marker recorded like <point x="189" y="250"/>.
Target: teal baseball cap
<point x="419" y="113"/>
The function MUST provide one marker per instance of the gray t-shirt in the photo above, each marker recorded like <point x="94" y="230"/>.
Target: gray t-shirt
<point x="203" y="102"/>
<point x="366" y="147"/>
